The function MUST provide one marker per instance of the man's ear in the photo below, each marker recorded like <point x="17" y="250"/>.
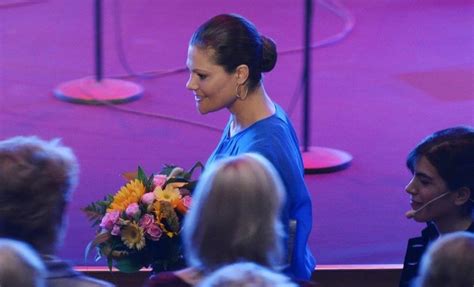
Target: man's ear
<point x="462" y="195"/>
<point x="242" y="73"/>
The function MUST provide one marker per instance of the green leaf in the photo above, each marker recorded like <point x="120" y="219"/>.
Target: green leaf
<point x="141" y="175"/>
<point x="96" y="210"/>
<point x="166" y="170"/>
<point x="146" y="180"/>
<point x="191" y="186"/>
<point x="198" y="164"/>
<point x="110" y="263"/>
<point x="86" y="252"/>
<point x="176" y="179"/>
<point x="149" y="183"/>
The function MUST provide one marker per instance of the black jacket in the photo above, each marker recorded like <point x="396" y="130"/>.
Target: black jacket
<point x="415" y="249"/>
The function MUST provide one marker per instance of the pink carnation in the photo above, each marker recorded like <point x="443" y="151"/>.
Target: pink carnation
<point x="154" y="232"/>
<point x="186" y="201"/>
<point x="159" y="179"/>
<point x="109" y="219"/>
<point x="146" y="221"/>
<point x="148" y="198"/>
<point x="132" y="210"/>
<point x="115" y="230"/>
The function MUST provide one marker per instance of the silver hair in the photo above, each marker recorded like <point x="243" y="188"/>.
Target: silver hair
<point x="235" y="215"/>
<point x="246" y="274"/>
<point x="449" y="261"/>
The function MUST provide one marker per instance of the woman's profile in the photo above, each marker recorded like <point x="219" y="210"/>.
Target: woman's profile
<point x="226" y="59"/>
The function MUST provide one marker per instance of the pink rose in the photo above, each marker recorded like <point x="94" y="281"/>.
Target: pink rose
<point x="186" y="201"/>
<point x="146" y="221"/>
<point x="148" y="198"/>
<point x="154" y="232"/>
<point x="115" y="230"/>
<point x="109" y="219"/>
<point x="159" y="179"/>
<point x="132" y="209"/>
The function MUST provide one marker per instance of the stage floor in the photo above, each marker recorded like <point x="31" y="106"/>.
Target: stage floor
<point x="404" y="71"/>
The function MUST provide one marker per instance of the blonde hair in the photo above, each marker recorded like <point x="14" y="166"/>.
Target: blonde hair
<point x="235" y="215"/>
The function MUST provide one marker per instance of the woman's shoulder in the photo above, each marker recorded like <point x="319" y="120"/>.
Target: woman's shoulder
<point x="273" y="127"/>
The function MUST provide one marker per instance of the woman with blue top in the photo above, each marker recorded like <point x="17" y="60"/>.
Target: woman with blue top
<point x="226" y="59"/>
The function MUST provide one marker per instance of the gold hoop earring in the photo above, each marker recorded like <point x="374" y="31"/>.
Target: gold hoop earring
<point x="242" y="98"/>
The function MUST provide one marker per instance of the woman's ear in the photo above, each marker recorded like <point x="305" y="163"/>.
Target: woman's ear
<point x="462" y="195"/>
<point x="242" y="73"/>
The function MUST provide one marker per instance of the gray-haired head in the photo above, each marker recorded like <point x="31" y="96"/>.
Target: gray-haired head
<point x="235" y="215"/>
<point x="246" y="274"/>
<point x="449" y="261"/>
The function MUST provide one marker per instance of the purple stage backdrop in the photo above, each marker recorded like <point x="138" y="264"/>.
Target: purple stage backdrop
<point x="404" y="71"/>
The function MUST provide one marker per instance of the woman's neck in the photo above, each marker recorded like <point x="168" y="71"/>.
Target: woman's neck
<point x="453" y="223"/>
<point x="256" y="106"/>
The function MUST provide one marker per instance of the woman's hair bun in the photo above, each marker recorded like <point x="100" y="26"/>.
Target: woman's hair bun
<point x="269" y="54"/>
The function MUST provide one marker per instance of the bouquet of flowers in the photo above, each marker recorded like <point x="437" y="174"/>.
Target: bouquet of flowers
<point x="140" y="225"/>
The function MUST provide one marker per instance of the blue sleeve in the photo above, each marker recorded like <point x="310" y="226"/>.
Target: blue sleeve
<point x="277" y="145"/>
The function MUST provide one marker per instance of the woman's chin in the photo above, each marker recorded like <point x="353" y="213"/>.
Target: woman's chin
<point x="202" y="111"/>
<point x="420" y="217"/>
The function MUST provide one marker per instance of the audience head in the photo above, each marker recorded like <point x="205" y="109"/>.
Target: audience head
<point x="235" y="215"/>
<point x="449" y="261"/>
<point x="441" y="163"/>
<point x="36" y="181"/>
<point x="20" y="265"/>
<point x="234" y="41"/>
<point x="246" y="274"/>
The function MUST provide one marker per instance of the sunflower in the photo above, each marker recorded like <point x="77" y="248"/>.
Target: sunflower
<point x="133" y="237"/>
<point x="170" y="193"/>
<point x="156" y="208"/>
<point x="168" y="220"/>
<point x="130" y="193"/>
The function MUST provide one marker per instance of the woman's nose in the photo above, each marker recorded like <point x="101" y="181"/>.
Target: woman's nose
<point x="191" y="85"/>
<point x="409" y="187"/>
